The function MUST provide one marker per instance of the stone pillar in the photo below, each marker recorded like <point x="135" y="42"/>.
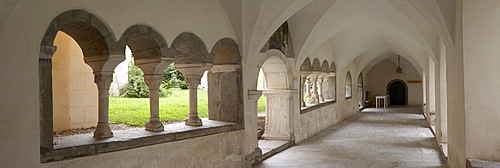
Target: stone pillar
<point x="319" y="85"/>
<point x="313" y="97"/>
<point x="308" y="89"/>
<point x="326" y="87"/>
<point x="46" y="101"/>
<point x="153" y="81"/>
<point x="224" y="97"/>
<point x="192" y="75"/>
<point x="303" y="79"/>
<point x="253" y="96"/>
<point x="279" y="117"/>
<point x="103" y="80"/>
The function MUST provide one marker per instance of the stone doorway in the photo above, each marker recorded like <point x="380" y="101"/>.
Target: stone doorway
<point x="398" y="92"/>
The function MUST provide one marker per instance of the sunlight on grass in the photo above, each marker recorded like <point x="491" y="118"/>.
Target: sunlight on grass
<point x="262" y="104"/>
<point x="135" y="111"/>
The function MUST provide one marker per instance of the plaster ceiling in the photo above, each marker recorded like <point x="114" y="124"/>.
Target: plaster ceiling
<point x="357" y="31"/>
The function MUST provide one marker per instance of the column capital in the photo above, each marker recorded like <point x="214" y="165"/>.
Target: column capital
<point x="103" y="79"/>
<point x="153" y="81"/>
<point x="314" y="74"/>
<point x="192" y="81"/>
<point x="193" y="69"/>
<point x="254" y="94"/>
<point x="322" y="75"/>
<point x="305" y="73"/>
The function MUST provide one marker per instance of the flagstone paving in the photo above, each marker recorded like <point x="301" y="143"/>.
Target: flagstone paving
<point x="391" y="137"/>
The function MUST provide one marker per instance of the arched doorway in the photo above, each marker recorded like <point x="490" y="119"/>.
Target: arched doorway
<point x="279" y="96"/>
<point x="398" y="92"/>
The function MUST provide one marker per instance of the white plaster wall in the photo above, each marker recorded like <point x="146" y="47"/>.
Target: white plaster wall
<point x="384" y="72"/>
<point x="481" y="41"/>
<point x="312" y="122"/>
<point x="20" y="45"/>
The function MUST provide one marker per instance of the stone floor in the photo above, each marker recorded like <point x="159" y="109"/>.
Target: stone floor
<point x="391" y="137"/>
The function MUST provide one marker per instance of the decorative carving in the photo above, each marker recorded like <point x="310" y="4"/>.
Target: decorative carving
<point x="192" y="81"/>
<point x="153" y="81"/>
<point x="103" y="79"/>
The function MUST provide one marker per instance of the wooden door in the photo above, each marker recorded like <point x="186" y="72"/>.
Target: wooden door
<point x="397" y="93"/>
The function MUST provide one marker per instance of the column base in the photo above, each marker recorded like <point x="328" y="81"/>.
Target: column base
<point x="103" y="131"/>
<point x="302" y="104"/>
<point x="194" y="122"/>
<point x="154" y="126"/>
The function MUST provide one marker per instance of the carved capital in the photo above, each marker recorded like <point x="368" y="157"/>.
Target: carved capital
<point x="192" y="81"/>
<point x="153" y="81"/>
<point x="103" y="79"/>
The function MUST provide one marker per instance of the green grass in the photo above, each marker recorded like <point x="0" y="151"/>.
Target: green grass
<point x="135" y="111"/>
<point x="261" y="104"/>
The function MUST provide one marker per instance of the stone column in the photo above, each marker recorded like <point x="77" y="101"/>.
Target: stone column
<point x="314" y="97"/>
<point x="308" y="89"/>
<point x="153" y="81"/>
<point x="303" y="78"/>
<point x="46" y="101"/>
<point x="319" y="85"/>
<point x="279" y="117"/>
<point x="192" y="75"/>
<point x="253" y="96"/>
<point x="326" y="81"/>
<point x="103" y="80"/>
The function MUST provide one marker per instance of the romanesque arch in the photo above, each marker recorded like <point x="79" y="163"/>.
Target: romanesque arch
<point x="279" y="95"/>
<point x="397" y="90"/>
<point x="225" y="94"/>
<point x="348" y="85"/>
<point x="97" y="43"/>
<point x="149" y="49"/>
<point x="322" y="88"/>
<point x="360" y="90"/>
<point x="305" y="70"/>
<point x="192" y="60"/>
<point x="312" y="96"/>
<point x="332" y="81"/>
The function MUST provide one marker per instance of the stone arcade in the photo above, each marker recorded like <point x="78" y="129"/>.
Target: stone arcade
<point x="323" y="61"/>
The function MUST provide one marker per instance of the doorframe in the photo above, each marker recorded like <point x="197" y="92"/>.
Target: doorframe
<point x="406" y="89"/>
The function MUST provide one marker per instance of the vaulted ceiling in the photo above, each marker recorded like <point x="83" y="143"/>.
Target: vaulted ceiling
<point x="359" y="31"/>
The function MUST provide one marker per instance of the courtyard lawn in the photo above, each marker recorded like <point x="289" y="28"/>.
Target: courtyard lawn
<point x="261" y="104"/>
<point x="135" y="111"/>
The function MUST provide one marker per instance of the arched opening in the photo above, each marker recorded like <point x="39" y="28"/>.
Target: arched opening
<point x="93" y="37"/>
<point x="75" y="103"/>
<point x="360" y="91"/>
<point x="279" y="97"/>
<point x="348" y="85"/>
<point x="332" y="83"/>
<point x="398" y="92"/>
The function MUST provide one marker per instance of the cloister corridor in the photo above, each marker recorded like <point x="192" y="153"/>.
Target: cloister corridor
<point x="391" y="137"/>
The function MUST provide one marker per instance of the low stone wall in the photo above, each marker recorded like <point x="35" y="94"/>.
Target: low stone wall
<point x="219" y="150"/>
<point x="314" y="121"/>
<point x="476" y="163"/>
